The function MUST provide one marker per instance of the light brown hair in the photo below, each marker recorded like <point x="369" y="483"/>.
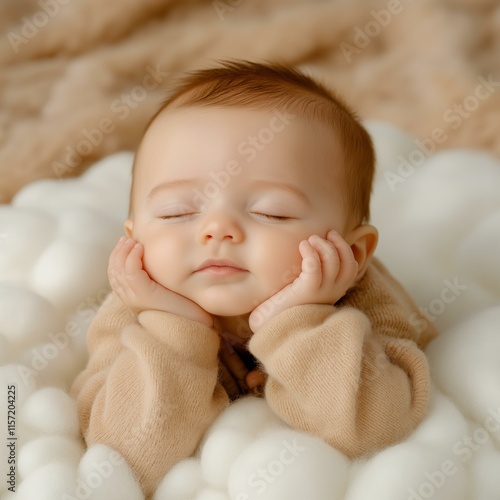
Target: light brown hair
<point x="274" y="86"/>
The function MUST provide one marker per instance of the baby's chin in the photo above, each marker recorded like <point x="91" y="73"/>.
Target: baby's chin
<point x="225" y="306"/>
<point x="225" y="310"/>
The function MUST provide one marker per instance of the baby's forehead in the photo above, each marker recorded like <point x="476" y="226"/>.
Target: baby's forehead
<point x="245" y="133"/>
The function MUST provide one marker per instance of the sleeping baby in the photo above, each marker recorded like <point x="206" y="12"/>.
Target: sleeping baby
<point x="247" y="270"/>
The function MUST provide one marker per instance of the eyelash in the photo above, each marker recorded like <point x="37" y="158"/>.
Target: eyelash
<point x="178" y="216"/>
<point x="267" y="216"/>
<point x="273" y="217"/>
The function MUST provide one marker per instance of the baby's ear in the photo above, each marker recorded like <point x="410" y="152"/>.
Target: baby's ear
<point x="129" y="225"/>
<point x="363" y="241"/>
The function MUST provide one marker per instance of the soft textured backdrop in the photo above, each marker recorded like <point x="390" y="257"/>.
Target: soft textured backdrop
<point x="79" y="78"/>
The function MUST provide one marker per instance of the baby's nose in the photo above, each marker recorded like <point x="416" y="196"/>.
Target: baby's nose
<point x="222" y="228"/>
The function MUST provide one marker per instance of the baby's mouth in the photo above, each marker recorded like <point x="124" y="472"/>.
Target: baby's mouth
<point x="220" y="267"/>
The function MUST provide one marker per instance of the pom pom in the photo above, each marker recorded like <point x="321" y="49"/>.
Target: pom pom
<point x="105" y="475"/>
<point x="24" y="233"/>
<point x="390" y="144"/>
<point x="51" y="411"/>
<point x="53" y="481"/>
<point x="209" y="494"/>
<point x="38" y="318"/>
<point x="89" y="226"/>
<point x="285" y="464"/>
<point x="484" y="473"/>
<point x="53" y="363"/>
<point x="477" y="257"/>
<point x="470" y="348"/>
<point x="443" y="426"/>
<point x="248" y="415"/>
<point x="54" y="196"/>
<point x="18" y="376"/>
<point x="48" y="449"/>
<point x="111" y="179"/>
<point x="66" y="262"/>
<point x="182" y="481"/>
<point x="413" y="472"/>
<point x="219" y="453"/>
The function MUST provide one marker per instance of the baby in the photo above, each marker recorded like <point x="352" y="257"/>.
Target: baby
<point x="248" y="268"/>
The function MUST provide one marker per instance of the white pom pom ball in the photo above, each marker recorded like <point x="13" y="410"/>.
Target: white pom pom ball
<point x="51" y="482"/>
<point x="413" y="472"/>
<point x="110" y="178"/>
<point x="51" y="411"/>
<point x="390" y="142"/>
<point x="444" y="424"/>
<point x="210" y="494"/>
<point x="465" y="364"/>
<point x="484" y="473"/>
<point x="54" y="363"/>
<point x="181" y="482"/>
<point x="90" y="227"/>
<point x="219" y="453"/>
<point x="478" y="256"/>
<point x="17" y="375"/>
<point x="288" y="465"/>
<point x="69" y="271"/>
<point x="24" y="233"/>
<point x="249" y="415"/>
<point x="104" y="472"/>
<point x="25" y="317"/>
<point x="47" y="449"/>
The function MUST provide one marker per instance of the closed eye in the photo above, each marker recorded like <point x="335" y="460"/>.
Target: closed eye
<point x="272" y="217"/>
<point x="176" y="216"/>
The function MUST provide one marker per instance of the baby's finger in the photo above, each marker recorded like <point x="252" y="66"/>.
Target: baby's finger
<point x="311" y="264"/>
<point x="348" y="266"/>
<point x="329" y="258"/>
<point x="113" y="254"/>
<point x="122" y="254"/>
<point x="133" y="261"/>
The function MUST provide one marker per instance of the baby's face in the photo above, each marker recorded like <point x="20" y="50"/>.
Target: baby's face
<point x="237" y="186"/>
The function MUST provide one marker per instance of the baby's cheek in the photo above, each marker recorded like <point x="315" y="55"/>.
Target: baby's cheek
<point x="158" y="266"/>
<point x="284" y="269"/>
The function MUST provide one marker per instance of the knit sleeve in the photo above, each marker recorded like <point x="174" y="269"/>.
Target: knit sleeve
<point x="330" y="374"/>
<point x="150" y="388"/>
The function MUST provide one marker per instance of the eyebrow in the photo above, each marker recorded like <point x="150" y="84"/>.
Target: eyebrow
<point x="283" y="185"/>
<point x="192" y="182"/>
<point x="171" y="185"/>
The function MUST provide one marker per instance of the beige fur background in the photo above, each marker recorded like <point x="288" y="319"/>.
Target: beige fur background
<point x="80" y="78"/>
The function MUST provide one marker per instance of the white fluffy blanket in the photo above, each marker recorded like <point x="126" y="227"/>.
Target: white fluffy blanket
<point x="439" y="221"/>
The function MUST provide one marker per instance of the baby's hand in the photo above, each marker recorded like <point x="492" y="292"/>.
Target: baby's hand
<point x="137" y="290"/>
<point x="328" y="270"/>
